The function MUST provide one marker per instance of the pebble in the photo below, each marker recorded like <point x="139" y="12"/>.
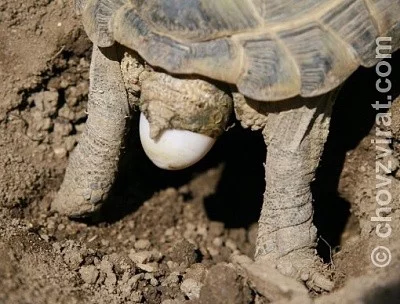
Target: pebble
<point x="136" y="296"/>
<point x="191" y="288"/>
<point x="141" y="257"/>
<point x="73" y="259"/>
<point x="172" y="279"/>
<point x="60" y="152"/>
<point x="151" y="267"/>
<point x="197" y="271"/>
<point x="45" y="101"/>
<point x="142" y="244"/>
<point x="107" y="268"/>
<point x="183" y="252"/>
<point x="230" y="244"/>
<point x="89" y="274"/>
<point x="217" y="242"/>
<point x="150" y="277"/>
<point x="212" y="251"/>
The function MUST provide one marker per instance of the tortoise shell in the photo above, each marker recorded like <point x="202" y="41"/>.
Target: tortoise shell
<point x="270" y="49"/>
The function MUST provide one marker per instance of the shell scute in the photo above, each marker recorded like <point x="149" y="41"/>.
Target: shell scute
<point x="175" y="56"/>
<point x="322" y="59"/>
<point x="96" y="15"/>
<point x="268" y="70"/>
<point x="350" y="20"/>
<point x="277" y="11"/>
<point x="198" y="20"/>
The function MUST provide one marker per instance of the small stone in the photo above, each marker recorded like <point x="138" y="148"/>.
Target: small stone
<point x="132" y="282"/>
<point x="202" y="230"/>
<point x="106" y="266"/>
<point x="125" y="277"/>
<point x="197" y="271"/>
<point x="69" y="143"/>
<point x="216" y="228"/>
<point x="191" y="288"/>
<point x="141" y="257"/>
<point x="172" y="265"/>
<point x="169" y="231"/>
<point x="89" y="274"/>
<point x="217" y="242"/>
<point x="148" y="276"/>
<point x="45" y="101"/>
<point x="154" y="282"/>
<point x="46" y="124"/>
<point x="152" y="267"/>
<point x="121" y="263"/>
<point x="184" y="252"/>
<point x="230" y="244"/>
<point x="156" y="256"/>
<point x="142" y="244"/>
<point x="62" y="129"/>
<point x="66" y="113"/>
<point x="212" y="251"/>
<point x="110" y="280"/>
<point x="223" y="285"/>
<point x="105" y="243"/>
<point x="80" y="127"/>
<point x="44" y="237"/>
<point x="172" y="279"/>
<point x="60" y="152"/>
<point x="73" y="259"/>
<point x="136" y="296"/>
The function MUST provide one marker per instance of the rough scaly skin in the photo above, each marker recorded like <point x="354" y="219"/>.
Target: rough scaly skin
<point x="94" y="162"/>
<point x="189" y="104"/>
<point x="170" y="102"/>
<point x="295" y="132"/>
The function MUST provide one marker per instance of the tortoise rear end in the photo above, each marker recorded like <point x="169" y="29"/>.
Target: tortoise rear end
<point x="271" y="50"/>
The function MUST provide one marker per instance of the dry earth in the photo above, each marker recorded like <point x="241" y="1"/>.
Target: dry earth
<point x="167" y="237"/>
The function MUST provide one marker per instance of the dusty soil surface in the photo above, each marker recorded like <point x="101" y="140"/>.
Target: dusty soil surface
<point x="168" y="237"/>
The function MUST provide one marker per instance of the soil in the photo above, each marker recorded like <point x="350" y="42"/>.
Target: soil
<point x="168" y="237"/>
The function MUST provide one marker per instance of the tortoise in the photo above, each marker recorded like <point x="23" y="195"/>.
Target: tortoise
<point x="277" y="63"/>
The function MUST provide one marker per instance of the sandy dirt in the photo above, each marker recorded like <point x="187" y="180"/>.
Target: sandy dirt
<point x="168" y="237"/>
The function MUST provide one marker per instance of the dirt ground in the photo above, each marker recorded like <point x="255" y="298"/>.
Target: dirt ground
<point x="168" y="237"/>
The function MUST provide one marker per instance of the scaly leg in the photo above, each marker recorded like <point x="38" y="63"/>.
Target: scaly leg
<point x="295" y="132"/>
<point x="287" y="237"/>
<point x="93" y="164"/>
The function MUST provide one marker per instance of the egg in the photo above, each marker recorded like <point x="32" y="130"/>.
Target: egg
<point x="174" y="149"/>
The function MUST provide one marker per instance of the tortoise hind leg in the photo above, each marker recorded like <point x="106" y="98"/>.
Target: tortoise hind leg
<point x="93" y="164"/>
<point x="295" y="132"/>
<point x="295" y="139"/>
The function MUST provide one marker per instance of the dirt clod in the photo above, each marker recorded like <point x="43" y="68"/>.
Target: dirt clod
<point x="224" y="285"/>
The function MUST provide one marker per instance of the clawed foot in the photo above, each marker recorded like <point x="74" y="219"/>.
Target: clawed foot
<point x="75" y="204"/>
<point x="302" y="265"/>
<point x="281" y="278"/>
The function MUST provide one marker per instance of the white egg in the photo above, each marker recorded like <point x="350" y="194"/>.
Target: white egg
<point x="174" y="149"/>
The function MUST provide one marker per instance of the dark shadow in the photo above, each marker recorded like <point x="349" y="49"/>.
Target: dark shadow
<point x="388" y="294"/>
<point x="238" y="199"/>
